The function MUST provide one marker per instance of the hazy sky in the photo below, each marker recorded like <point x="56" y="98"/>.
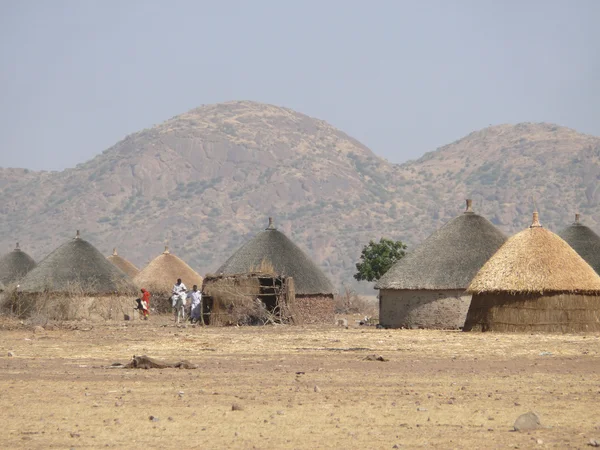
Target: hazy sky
<point x="403" y="77"/>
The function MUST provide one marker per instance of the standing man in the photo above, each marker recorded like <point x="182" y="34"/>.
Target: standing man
<point x="195" y="297"/>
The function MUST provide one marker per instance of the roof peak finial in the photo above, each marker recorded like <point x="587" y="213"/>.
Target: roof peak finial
<point x="271" y="224"/>
<point x="577" y="217"/>
<point x="115" y="251"/>
<point x="17" y="247"/>
<point x="469" y="206"/>
<point x="166" y="252"/>
<point x="535" y="223"/>
<point x="77" y="235"/>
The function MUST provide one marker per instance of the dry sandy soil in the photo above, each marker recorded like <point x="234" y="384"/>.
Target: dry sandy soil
<point x="296" y="387"/>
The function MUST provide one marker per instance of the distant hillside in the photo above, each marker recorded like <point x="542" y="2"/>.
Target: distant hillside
<point x="506" y="167"/>
<point x="208" y="179"/>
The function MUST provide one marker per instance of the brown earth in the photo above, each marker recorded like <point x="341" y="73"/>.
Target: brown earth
<point x="294" y="387"/>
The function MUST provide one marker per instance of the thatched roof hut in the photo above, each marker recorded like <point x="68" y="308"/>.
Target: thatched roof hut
<point x="77" y="266"/>
<point x="425" y="289"/>
<point x="449" y="258"/>
<point x="535" y="282"/>
<point x="584" y="241"/>
<point x="275" y="250"/>
<point x="123" y="264"/>
<point x="162" y="272"/>
<point x="15" y="265"/>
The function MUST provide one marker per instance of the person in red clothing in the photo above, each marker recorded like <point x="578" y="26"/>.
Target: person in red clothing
<point x="143" y="304"/>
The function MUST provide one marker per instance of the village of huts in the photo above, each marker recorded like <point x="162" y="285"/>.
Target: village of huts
<point x="535" y="282"/>
<point x="271" y="268"/>
<point x="74" y="281"/>
<point x="466" y="275"/>
<point x="426" y="288"/>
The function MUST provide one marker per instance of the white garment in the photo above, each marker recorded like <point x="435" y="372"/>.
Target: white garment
<point x="179" y="292"/>
<point x="196" y="301"/>
<point x="195" y="297"/>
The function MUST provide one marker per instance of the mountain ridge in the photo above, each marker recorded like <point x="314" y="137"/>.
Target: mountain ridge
<point x="207" y="179"/>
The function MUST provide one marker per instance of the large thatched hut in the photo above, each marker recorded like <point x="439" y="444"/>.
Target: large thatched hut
<point x="273" y="252"/>
<point x="426" y="288"/>
<point x="76" y="281"/>
<point x="535" y="282"/>
<point x="14" y="266"/>
<point x="584" y="241"/>
<point x="123" y="264"/>
<point x="160" y="275"/>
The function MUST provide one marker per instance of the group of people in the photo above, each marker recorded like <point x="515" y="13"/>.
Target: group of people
<point x="179" y="297"/>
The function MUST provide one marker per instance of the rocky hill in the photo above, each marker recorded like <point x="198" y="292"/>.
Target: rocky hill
<point x="208" y="179"/>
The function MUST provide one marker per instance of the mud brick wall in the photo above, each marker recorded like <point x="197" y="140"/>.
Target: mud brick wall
<point x="314" y="309"/>
<point x="445" y="309"/>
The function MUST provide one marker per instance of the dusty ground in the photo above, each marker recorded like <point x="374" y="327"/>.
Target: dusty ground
<point x="297" y="388"/>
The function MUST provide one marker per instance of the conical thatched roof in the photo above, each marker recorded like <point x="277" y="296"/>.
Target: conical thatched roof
<point x="15" y="265"/>
<point x="273" y="248"/>
<point x="163" y="271"/>
<point x="536" y="261"/>
<point x="123" y="264"/>
<point x="584" y="241"/>
<point x="449" y="258"/>
<point x="77" y="267"/>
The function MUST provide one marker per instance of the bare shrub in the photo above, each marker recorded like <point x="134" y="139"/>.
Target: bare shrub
<point x="72" y="304"/>
<point x="349" y="302"/>
<point x="237" y="303"/>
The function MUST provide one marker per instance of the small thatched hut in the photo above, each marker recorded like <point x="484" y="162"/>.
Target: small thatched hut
<point x="14" y="266"/>
<point x="160" y="275"/>
<point x="123" y="264"/>
<point x="584" y="241"/>
<point x="426" y="288"/>
<point x="535" y="282"/>
<point x="273" y="252"/>
<point x="76" y="281"/>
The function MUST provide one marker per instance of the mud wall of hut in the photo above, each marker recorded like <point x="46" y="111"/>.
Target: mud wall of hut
<point x="446" y="309"/>
<point x="547" y="313"/>
<point x="314" y="309"/>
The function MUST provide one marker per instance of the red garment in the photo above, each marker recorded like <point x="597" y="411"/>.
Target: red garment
<point x="146" y="301"/>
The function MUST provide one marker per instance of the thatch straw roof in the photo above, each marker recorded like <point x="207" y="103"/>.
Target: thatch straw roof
<point x="536" y="261"/>
<point x="15" y="265"/>
<point x="77" y="267"/>
<point x="584" y="241"/>
<point x="273" y="248"/>
<point x="449" y="258"/>
<point x="163" y="271"/>
<point x="123" y="264"/>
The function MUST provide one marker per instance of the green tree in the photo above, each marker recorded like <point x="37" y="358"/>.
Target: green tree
<point x="377" y="258"/>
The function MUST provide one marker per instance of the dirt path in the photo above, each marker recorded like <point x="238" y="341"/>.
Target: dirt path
<point x="295" y="387"/>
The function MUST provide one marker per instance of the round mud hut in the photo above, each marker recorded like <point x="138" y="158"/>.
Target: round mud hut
<point x="14" y="266"/>
<point x="123" y="264"/>
<point x="273" y="252"/>
<point x="426" y="288"/>
<point x="160" y="275"/>
<point x="584" y="241"/>
<point x="535" y="283"/>
<point x="76" y="281"/>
